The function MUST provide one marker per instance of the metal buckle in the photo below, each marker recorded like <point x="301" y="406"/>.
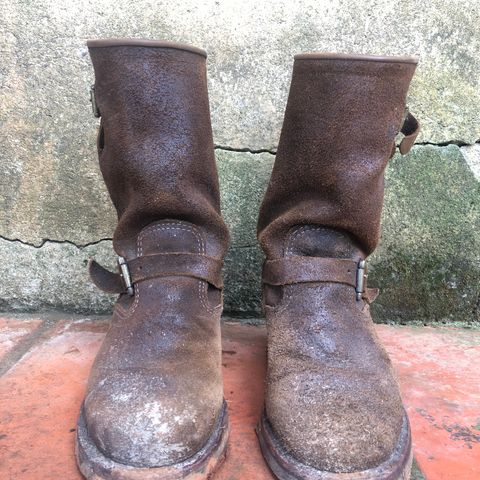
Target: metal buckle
<point x="361" y="279"/>
<point x="125" y="273"/>
<point x="95" y="109"/>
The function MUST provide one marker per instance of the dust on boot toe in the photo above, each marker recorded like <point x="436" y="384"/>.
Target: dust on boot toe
<point x="333" y="407"/>
<point x="132" y="424"/>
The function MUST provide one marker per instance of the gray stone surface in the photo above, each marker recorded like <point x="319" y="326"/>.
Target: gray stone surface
<point x="428" y="262"/>
<point x="51" y="277"/>
<point x="54" y="202"/>
<point x="471" y="153"/>
<point x="50" y="183"/>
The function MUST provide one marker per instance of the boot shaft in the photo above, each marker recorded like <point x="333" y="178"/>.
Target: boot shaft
<point x="342" y="117"/>
<point x="155" y="142"/>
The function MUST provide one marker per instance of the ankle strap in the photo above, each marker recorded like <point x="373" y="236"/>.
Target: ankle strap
<point x="301" y="269"/>
<point x="147" y="267"/>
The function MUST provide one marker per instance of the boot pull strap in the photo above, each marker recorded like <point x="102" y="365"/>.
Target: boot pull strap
<point x="410" y="129"/>
<point x="299" y="269"/>
<point x="147" y="267"/>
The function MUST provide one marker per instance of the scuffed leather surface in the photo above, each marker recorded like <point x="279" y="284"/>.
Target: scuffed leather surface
<point x="340" y="124"/>
<point x="155" y="389"/>
<point x="331" y="397"/>
<point x="157" y="157"/>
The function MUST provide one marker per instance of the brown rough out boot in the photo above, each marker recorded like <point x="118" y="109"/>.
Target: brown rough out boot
<point x="154" y="406"/>
<point x="333" y="409"/>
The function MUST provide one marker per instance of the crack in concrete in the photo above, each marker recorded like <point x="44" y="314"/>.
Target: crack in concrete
<point x="227" y="148"/>
<point x="84" y="245"/>
<point x="60" y="242"/>
<point x="457" y="143"/>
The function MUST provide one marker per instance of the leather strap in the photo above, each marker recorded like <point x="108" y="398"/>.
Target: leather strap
<point x="104" y="279"/>
<point x="147" y="267"/>
<point x="300" y="269"/>
<point x="410" y="129"/>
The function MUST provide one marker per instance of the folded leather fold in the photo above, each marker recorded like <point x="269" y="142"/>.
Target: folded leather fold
<point x="143" y="268"/>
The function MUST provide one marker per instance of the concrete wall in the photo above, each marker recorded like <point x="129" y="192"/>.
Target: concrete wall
<point x="54" y="209"/>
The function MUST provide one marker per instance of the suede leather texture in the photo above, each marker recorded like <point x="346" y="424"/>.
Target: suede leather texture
<point x="156" y="147"/>
<point x="331" y="397"/>
<point x="155" y="389"/>
<point x="339" y="128"/>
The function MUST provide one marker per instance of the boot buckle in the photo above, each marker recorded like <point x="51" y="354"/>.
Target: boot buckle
<point x="125" y="273"/>
<point x="95" y="109"/>
<point x="361" y="279"/>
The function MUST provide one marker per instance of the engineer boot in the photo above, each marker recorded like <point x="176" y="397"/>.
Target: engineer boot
<point x="154" y="405"/>
<point x="333" y="409"/>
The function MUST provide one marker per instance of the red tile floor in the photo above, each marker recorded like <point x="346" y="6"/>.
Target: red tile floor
<point x="44" y="363"/>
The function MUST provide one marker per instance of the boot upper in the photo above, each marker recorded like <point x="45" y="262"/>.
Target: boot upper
<point x="155" y="395"/>
<point x="332" y="400"/>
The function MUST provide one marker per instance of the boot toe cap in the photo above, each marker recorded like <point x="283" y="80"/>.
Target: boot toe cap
<point x="139" y="421"/>
<point x="336" y="426"/>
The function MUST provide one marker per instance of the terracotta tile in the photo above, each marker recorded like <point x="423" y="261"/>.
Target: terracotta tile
<point x="41" y="395"/>
<point x="13" y="331"/>
<point x="39" y="401"/>
<point x="244" y="359"/>
<point x="440" y="381"/>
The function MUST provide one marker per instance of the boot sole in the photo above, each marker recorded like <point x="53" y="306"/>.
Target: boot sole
<point x="94" y="465"/>
<point x="285" y="467"/>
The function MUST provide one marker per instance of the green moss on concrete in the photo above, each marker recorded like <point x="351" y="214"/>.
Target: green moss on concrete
<point x="243" y="267"/>
<point x="243" y="179"/>
<point x="428" y="264"/>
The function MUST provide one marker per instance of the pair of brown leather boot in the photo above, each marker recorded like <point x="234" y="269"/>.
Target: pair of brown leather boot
<point x="154" y="408"/>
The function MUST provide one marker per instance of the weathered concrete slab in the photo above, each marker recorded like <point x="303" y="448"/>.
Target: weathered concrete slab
<point x="428" y="263"/>
<point x="50" y="182"/>
<point x="52" y="277"/>
<point x="471" y="153"/>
